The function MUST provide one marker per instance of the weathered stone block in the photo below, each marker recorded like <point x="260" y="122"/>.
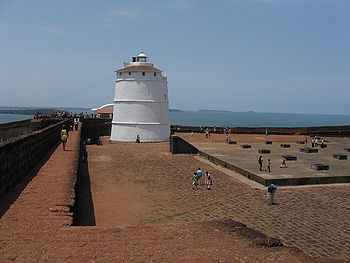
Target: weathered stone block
<point x="268" y="142"/>
<point x="232" y="142"/>
<point x="263" y="151"/>
<point x="347" y="149"/>
<point x="319" y="167"/>
<point x="309" y="150"/>
<point x="245" y="146"/>
<point x="300" y="142"/>
<point x="289" y="157"/>
<point x="323" y="145"/>
<point x="284" y="145"/>
<point x="340" y="156"/>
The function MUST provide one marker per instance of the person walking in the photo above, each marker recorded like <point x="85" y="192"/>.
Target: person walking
<point x="260" y="161"/>
<point x="272" y="189"/>
<point x="64" y="137"/>
<point x="199" y="175"/>
<point x="76" y="123"/>
<point x="208" y="181"/>
<point x="283" y="164"/>
<point x="268" y="165"/>
<point x="195" y="180"/>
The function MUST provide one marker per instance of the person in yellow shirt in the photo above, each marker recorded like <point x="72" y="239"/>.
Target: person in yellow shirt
<point x="64" y="137"/>
<point x="268" y="165"/>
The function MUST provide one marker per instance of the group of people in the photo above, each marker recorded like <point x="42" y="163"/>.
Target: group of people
<point x="268" y="165"/>
<point x="197" y="176"/>
<point x="315" y="142"/>
<point x="227" y="139"/>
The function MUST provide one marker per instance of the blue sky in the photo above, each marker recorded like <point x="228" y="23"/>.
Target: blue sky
<point x="239" y="55"/>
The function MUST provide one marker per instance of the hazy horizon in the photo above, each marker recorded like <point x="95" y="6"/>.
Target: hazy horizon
<point x="185" y="110"/>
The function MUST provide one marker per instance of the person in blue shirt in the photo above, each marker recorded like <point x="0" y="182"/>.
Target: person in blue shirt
<point x="199" y="175"/>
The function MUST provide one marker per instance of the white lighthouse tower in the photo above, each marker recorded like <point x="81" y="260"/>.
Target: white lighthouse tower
<point x="141" y="105"/>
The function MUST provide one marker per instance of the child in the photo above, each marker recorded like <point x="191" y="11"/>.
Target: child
<point x="268" y="166"/>
<point x="283" y="164"/>
<point x="195" y="180"/>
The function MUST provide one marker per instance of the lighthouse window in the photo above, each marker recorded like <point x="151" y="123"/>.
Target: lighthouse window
<point x="155" y="74"/>
<point x="129" y="73"/>
<point x="143" y="73"/>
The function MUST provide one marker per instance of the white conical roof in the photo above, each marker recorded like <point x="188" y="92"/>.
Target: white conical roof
<point x="142" y="55"/>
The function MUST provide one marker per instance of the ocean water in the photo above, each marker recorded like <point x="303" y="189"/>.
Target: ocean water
<point x="4" y="118"/>
<point x="253" y="119"/>
<point x="235" y="119"/>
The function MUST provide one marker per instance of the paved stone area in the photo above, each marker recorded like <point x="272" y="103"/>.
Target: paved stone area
<point x="248" y="158"/>
<point x="314" y="219"/>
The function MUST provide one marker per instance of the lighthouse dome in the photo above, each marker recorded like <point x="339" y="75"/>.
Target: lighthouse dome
<point x="143" y="55"/>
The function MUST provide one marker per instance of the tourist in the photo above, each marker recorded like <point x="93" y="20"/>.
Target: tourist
<point x="260" y="161"/>
<point x="192" y="134"/>
<point x="208" y="181"/>
<point x="195" y="180"/>
<point x="199" y="175"/>
<point x="316" y="142"/>
<point x="272" y="189"/>
<point x="266" y="132"/>
<point x="283" y="164"/>
<point x="76" y="123"/>
<point x="206" y="133"/>
<point x="138" y="138"/>
<point x="268" y="165"/>
<point x="226" y="138"/>
<point x="64" y="137"/>
<point x="313" y="142"/>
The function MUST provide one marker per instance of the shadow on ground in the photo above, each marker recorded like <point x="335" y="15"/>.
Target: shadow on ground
<point x="84" y="214"/>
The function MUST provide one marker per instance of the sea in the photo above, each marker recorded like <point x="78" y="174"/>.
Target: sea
<point x="236" y="119"/>
<point x="255" y="119"/>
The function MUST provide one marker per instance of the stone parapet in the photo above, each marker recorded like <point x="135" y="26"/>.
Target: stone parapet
<point x="19" y="155"/>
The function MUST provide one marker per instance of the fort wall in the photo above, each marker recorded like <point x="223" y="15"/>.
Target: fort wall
<point x="19" y="155"/>
<point x="18" y="128"/>
<point x="13" y="129"/>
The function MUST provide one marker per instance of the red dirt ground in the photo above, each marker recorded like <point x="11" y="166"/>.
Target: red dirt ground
<point x="121" y="234"/>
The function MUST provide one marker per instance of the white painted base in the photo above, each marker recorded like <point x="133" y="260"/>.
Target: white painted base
<point x="147" y="132"/>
